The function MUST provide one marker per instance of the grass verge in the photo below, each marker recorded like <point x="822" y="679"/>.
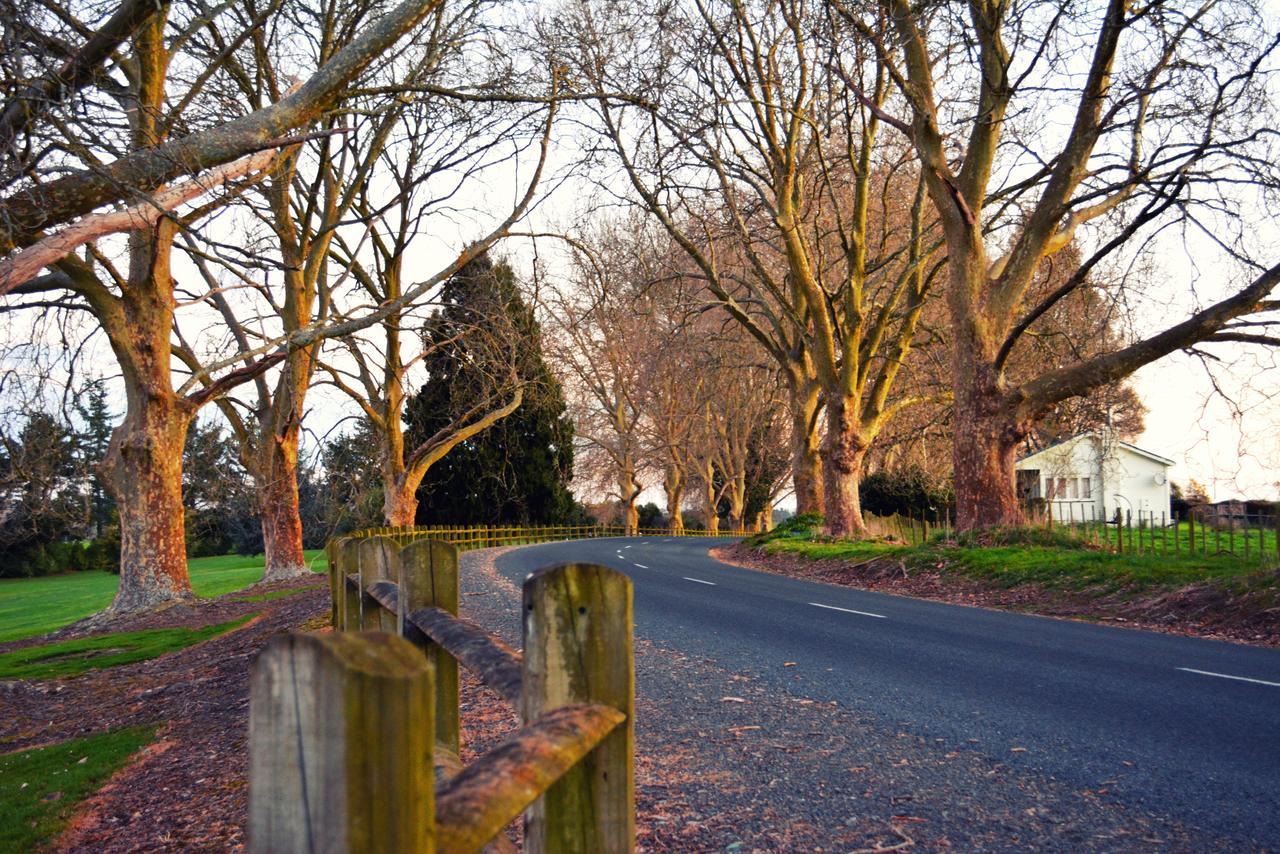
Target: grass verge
<point x="73" y="657"/>
<point x="1008" y="557"/>
<point x="40" y="787"/>
<point x="37" y="606"/>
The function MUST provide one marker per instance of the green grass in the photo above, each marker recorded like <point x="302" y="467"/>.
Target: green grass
<point x="73" y="657"/>
<point x="1051" y="558"/>
<point x="268" y="596"/>
<point x="40" y="787"/>
<point x="36" y="606"/>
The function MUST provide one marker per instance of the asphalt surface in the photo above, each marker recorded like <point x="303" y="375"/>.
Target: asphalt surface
<point x="1183" y="729"/>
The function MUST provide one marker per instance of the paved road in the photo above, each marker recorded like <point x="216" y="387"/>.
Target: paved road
<point x="1178" y="727"/>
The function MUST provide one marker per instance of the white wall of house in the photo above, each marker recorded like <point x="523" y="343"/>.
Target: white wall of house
<point x="1088" y="477"/>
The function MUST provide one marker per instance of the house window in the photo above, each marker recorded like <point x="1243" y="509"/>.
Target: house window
<point x="1086" y="491"/>
<point x="1061" y="491"/>
<point x="1028" y="484"/>
<point x="1074" y="487"/>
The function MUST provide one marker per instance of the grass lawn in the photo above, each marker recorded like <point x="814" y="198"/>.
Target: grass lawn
<point x="1054" y="558"/>
<point x="73" y="657"/>
<point x="34" y="606"/>
<point x="40" y="787"/>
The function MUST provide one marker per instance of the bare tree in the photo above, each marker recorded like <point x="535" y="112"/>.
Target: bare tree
<point x="1171" y="127"/>
<point x="303" y="203"/>
<point x="165" y="121"/>
<point x="440" y="141"/>
<point x="671" y="357"/>
<point x="740" y="129"/>
<point x="599" y="337"/>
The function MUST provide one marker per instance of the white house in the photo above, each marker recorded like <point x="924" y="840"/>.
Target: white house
<point x="1089" y="476"/>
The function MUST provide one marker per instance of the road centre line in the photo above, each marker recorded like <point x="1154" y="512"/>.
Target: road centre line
<point x="849" y="611"/>
<point x="642" y="566"/>
<point x="1229" y="676"/>
<point x="699" y="581"/>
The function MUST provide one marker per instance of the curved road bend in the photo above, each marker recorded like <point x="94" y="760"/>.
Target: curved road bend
<point x="1177" y="727"/>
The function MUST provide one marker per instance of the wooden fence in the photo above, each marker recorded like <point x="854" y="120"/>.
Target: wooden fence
<point x="1251" y="540"/>
<point x="344" y="727"/>
<point x="487" y="536"/>
<point x="911" y="528"/>
<point x="1163" y="533"/>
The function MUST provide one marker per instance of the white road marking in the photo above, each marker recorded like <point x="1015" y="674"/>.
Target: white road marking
<point x="626" y="547"/>
<point x="642" y="566"/>
<point x="700" y="581"/>
<point x="1229" y="676"/>
<point x="849" y="611"/>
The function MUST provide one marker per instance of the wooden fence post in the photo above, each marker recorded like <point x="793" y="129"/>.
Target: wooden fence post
<point x="337" y="582"/>
<point x="429" y="579"/>
<point x="340" y="737"/>
<point x="352" y="601"/>
<point x="578" y="649"/>
<point x="378" y="556"/>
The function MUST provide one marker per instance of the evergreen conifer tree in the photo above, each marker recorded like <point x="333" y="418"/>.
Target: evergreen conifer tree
<point x="518" y="470"/>
<point x="92" y="440"/>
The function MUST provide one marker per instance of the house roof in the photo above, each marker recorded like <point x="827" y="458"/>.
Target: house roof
<point x="1148" y="454"/>
<point x="1142" y="452"/>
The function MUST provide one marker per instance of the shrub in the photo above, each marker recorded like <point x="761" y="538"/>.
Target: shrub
<point x="909" y="490"/>
<point x="803" y="526"/>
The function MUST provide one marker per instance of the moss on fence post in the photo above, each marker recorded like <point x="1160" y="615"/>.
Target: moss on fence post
<point x="429" y="578"/>
<point x="578" y="649"/>
<point x="340" y="743"/>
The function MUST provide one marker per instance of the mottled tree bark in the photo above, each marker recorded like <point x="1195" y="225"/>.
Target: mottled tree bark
<point x="842" y="452"/>
<point x="400" y="502"/>
<point x="277" y="484"/>
<point x="143" y="468"/>
<point x="987" y="435"/>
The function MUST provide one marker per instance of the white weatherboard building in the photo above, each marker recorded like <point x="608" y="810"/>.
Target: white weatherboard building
<point x="1089" y="476"/>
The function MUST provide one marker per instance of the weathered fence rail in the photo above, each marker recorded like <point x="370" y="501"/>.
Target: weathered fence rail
<point x="345" y="728"/>
<point x="485" y="536"/>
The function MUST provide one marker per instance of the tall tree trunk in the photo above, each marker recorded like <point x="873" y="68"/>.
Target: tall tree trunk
<point x="842" y="452"/>
<point x="628" y="492"/>
<point x="737" y="504"/>
<point x="144" y="469"/>
<point x="143" y="464"/>
<point x="709" y="498"/>
<point x="806" y="461"/>
<point x="673" y="484"/>
<point x="277" y="482"/>
<point x="984" y="447"/>
<point x="766" y="517"/>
